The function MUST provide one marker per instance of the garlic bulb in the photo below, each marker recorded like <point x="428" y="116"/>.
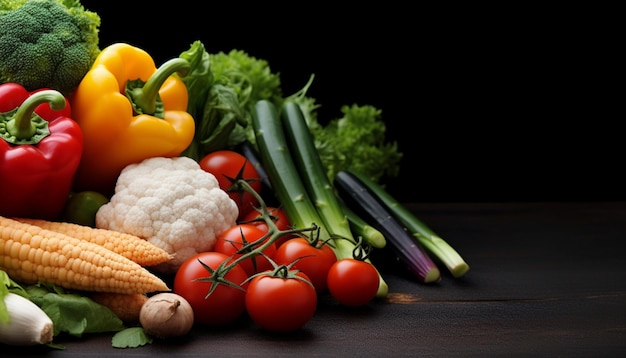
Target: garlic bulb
<point x="28" y="324"/>
<point x="166" y="315"/>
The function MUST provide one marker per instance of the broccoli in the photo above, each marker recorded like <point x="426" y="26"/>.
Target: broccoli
<point x="47" y="43"/>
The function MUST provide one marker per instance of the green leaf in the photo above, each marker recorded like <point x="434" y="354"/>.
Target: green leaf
<point x="4" y="290"/>
<point x="8" y="285"/>
<point x="131" y="338"/>
<point x="72" y="313"/>
<point x="356" y="142"/>
<point x="198" y="80"/>
<point x="221" y="116"/>
<point x="223" y="88"/>
<point x="250" y="77"/>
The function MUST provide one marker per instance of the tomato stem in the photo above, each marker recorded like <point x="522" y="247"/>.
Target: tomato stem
<point x="256" y="247"/>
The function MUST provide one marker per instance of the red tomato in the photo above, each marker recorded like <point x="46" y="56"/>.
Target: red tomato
<point x="226" y="165"/>
<point x="225" y="304"/>
<point x="315" y="261"/>
<point x="279" y="218"/>
<point x="353" y="282"/>
<point x="281" y="304"/>
<point x="232" y="240"/>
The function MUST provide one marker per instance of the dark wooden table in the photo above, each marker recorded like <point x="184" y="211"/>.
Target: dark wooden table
<point x="546" y="279"/>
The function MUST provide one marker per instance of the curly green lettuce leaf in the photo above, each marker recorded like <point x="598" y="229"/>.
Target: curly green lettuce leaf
<point x="223" y="88"/>
<point x="356" y="142"/>
<point x="251" y="78"/>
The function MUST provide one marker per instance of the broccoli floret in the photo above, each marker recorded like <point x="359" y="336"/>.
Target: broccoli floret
<point x="47" y="43"/>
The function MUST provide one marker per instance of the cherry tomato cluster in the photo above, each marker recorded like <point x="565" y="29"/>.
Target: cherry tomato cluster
<point x="278" y="216"/>
<point x="240" y="239"/>
<point x="279" y="288"/>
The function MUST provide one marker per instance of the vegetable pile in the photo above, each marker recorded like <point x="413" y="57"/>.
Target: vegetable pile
<point x="151" y="199"/>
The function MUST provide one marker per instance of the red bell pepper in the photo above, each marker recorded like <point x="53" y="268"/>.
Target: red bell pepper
<point x="40" y="149"/>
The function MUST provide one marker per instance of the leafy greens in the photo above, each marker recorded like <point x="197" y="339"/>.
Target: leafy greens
<point x="224" y="87"/>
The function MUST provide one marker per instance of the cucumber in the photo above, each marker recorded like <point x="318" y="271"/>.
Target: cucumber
<point x="288" y="182"/>
<point x="314" y="178"/>
<point x="432" y="242"/>
<point x="281" y="169"/>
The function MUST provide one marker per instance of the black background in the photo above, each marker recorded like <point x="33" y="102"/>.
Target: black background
<point x="487" y="104"/>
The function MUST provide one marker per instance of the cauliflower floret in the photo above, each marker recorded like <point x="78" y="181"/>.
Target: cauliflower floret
<point x="172" y="203"/>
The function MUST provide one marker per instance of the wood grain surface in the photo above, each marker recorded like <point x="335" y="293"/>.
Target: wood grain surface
<point x="546" y="280"/>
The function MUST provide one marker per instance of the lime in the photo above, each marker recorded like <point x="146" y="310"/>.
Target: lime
<point x="81" y="207"/>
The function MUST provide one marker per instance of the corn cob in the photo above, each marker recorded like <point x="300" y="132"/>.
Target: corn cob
<point x="125" y="306"/>
<point x="30" y="254"/>
<point x="130" y="246"/>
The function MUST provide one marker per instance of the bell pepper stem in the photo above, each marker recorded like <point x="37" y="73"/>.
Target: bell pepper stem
<point x="26" y="127"/>
<point x="145" y="97"/>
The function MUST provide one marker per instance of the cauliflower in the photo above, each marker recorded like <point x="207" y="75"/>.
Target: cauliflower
<point x="47" y="43"/>
<point x="172" y="203"/>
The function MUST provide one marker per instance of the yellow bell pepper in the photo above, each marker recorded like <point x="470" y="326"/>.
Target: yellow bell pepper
<point x="129" y="111"/>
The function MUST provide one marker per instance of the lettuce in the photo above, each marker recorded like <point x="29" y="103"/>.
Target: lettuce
<point x="223" y="88"/>
<point x="356" y="142"/>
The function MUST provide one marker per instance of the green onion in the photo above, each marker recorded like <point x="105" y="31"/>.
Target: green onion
<point x="360" y="227"/>
<point x="433" y="243"/>
<point x="358" y="197"/>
